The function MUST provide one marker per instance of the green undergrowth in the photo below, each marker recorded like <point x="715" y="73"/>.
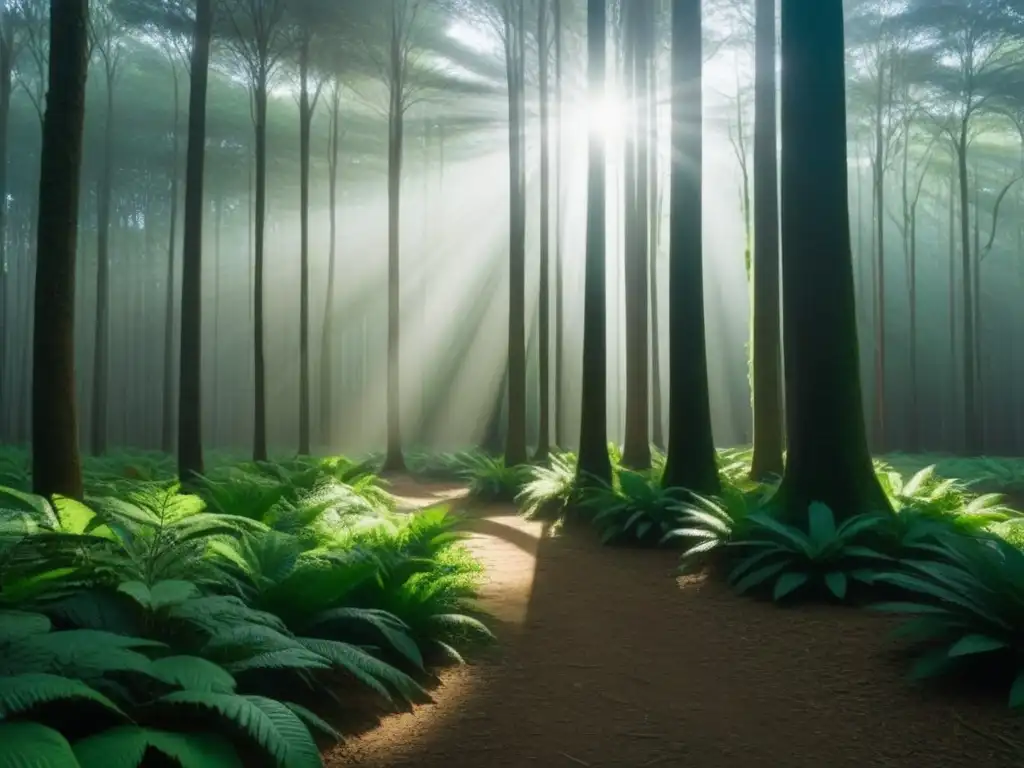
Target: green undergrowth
<point x="223" y="627"/>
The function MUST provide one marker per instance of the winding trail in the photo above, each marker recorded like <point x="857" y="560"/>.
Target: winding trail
<point x="605" y="661"/>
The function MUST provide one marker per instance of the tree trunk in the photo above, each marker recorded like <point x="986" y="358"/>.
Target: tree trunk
<point x="394" y="461"/>
<point x="218" y="227"/>
<point x="190" y="436"/>
<point x="305" y="124"/>
<point x="594" y="463"/>
<point x="952" y="311"/>
<point x="56" y="466"/>
<point x="654" y="248"/>
<point x="913" y="438"/>
<point x="6" y="73"/>
<point x="767" y="396"/>
<point x="167" y="434"/>
<point x="971" y="434"/>
<point x="544" y="440"/>
<point x="878" y="419"/>
<point x="101" y="350"/>
<point x="259" y="443"/>
<point x="515" y="439"/>
<point x="327" y="336"/>
<point x="559" y="279"/>
<point x="828" y="458"/>
<point x="691" y="461"/>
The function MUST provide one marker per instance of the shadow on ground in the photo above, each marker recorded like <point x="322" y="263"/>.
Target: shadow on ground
<point x="606" y="661"/>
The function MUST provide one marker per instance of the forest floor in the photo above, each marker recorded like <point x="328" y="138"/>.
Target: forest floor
<point x="603" y="660"/>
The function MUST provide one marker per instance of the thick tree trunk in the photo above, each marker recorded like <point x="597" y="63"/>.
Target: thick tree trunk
<point x="190" y="436"/>
<point x="971" y="431"/>
<point x="101" y="349"/>
<point x="767" y="396"/>
<point x="167" y="404"/>
<point x="56" y="466"/>
<point x="594" y="463"/>
<point x="691" y="461"/>
<point x="828" y="458"/>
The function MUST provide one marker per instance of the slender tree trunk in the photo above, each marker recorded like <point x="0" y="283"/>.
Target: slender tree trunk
<point x="167" y="435"/>
<point x="594" y="462"/>
<point x="190" y="435"/>
<point x="56" y="466"/>
<point x="259" y="450"/>
<point x="327" y="336"/>
<point x="828" y="458"/>
<point x="218" y="225"/>
<point x="654" y="247"/>
<point x="515" y="439"/>
<point x="101" y="350"/>
<point x="559" y="239"/>
<point x="6" y="73"/>
<point x="878" y="287"/>
<point x="953" y="442"/>
<point x="394" y="460"/>
<point x="768" y="429"/>
<point x="971" y="433"/>
<point x="915" y="419"/>
<point x="978" y="377"/>
<point x="305" y="124"/>
<point x="637" y="445"/>
<point x="544" y="440"/>
<point x="691" y="461"/>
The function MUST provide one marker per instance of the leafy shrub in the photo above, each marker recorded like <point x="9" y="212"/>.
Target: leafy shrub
<point x="707" y="524"/>
<point x="632" y="508"/>
<point x="550" y="489"/>
<point x="824" y="556"/>
<point x="967" y="603"/>
<point x="490" y="479"/>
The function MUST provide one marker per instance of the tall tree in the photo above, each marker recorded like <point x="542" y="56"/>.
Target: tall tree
<point x="327" y="333"/>
<point x="56" y="466"/>
<point x="544" y="55"/>
<point x="767" y="382"/>
<point x="594" y="462"/>
<point x="190" y="437"/>
<point x="690" y="459"/>
<point x="9" y="45"/>
<point x="107" y="41"/>
<point x="828" y="458"/>
<point x="258" y="38"/>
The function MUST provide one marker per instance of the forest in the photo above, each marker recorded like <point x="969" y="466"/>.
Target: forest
<point x="511" y="383"/>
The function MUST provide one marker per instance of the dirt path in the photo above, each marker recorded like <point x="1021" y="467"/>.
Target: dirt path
<point x="605" y="661"/>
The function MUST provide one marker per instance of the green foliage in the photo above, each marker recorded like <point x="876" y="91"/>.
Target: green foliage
<point x="967" y="604"/>
<point x="706" y="524"/>
<point x="824" y="556"/>
<point x="633" y="508"/>
<point x="490" y="479"/>
<point x="551" y="488"/>
<point x="150" y="622"/>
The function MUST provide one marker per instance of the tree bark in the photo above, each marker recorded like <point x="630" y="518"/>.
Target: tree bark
<point x="691" y="461"/>
<point x="767" y="396"/>
<point x="167" y="434"/>
<point x="327" y="336"/>
<point x="305" y="125"/>
<point x="594" y="462"/>
<point x="828" y="458"/>
<point x="190" y="436"/>
<point x="544" y="440"/>
<point x="259" y="443"/>
<point x="56" y="465"/>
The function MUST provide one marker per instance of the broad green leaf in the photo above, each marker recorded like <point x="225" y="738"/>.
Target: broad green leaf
<point x="127" y="747"/>
<point x="32" y="745"/>
<point x="758" y="576"/>
<point x="192" y="673"/>
<point x="821" y="523"/>
<point x="1017" y="691"/>
<point x="788" y="583"/>
<point x="21" y="693"/>
<point x="836" y="582"/>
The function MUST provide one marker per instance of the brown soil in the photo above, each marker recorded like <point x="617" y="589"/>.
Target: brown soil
<point x="604" y="660"/>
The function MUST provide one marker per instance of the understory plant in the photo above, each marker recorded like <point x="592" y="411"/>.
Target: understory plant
<point x="632" y="508"/>
<point x="491" y="479"/>
<point x="551" y="488"/>
<point x="824" y="557"/>
<point x="706" y="524"/>
<point x="966" y="603"/>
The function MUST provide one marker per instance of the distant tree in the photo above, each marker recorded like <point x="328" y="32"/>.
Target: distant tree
<point x="690" y="460"/>
<point x="107" y="38"/>
<point x="259" y="37"/>
<point x="594" y="462"/>
<point x="56" y="466"/>
<point x="11" y="39"/>
<point x="827" y="459"/>
<point x="544" y="60"/>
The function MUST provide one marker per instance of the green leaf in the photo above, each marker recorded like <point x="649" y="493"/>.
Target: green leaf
<point x="788" y="583"/>
<point x="21" y="693"/>
<point x="821" y="523"/>
<point x="930" y="664"/>
<point x="127" y="746"/>
<point x="758" y="576"/>
<point x="396" y="636"/>
<point x="32" y="745"/>
<point x="836" y="582"/>
<point x="17" y="625"/>
<point x="171" y="592"/>
<point x="192" y="673"/>
<point x="1017" y="691"/>
<point x="971" y="644"/>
